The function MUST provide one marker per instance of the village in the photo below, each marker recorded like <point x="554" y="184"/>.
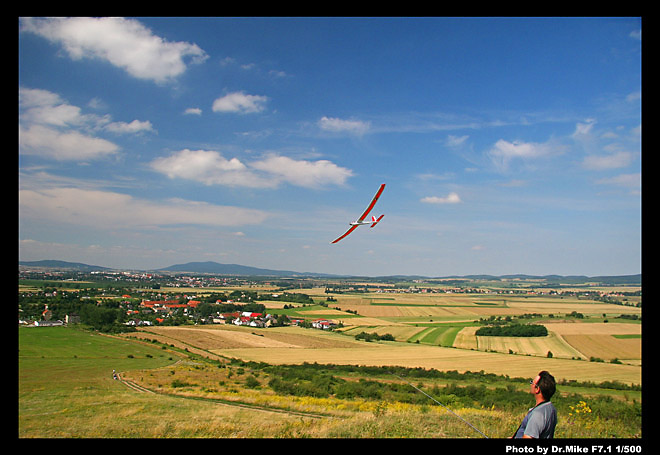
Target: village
<point x="183" y="310"/>
<point x="239" y="318"/>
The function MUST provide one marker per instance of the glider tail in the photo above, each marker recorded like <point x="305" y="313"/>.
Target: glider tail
<point x="374" y="220"/>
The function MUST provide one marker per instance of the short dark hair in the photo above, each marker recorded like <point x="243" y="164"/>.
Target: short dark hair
<point x="547" y="384"/>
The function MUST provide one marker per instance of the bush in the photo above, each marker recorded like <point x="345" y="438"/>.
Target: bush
<point x="374" y="337"/>
<point x="514" y="330"/>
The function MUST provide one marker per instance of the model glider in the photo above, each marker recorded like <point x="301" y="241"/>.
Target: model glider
<point x="360" y="221"/>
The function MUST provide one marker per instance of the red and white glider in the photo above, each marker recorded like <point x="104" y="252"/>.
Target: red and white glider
<point x="360" y="221"/>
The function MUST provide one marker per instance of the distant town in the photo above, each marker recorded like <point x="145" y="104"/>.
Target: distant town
<point x="49" y="296"/>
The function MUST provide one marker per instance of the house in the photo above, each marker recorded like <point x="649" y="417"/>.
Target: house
<point x="242" y="320"/>
<point x="323" y="324"/>
<point x="48" y="323"/>
<point x="137" y="322"/>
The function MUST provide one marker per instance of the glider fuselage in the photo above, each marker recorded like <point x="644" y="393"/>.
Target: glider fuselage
<point x="360" y="221"/>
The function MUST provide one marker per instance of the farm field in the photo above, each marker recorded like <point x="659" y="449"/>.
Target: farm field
<point x="66" y="390"/>
<point x="294" y="345"/>
<point x="221" y="380"/>
<point x="451" y="321"/>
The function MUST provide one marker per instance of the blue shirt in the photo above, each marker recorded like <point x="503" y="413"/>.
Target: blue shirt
<point x="539" y="422"/>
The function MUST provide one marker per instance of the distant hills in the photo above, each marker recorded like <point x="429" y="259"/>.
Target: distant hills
<point x="53" y="264"/>
<point x="231" y="269"/>
<point x="216" y="268"/>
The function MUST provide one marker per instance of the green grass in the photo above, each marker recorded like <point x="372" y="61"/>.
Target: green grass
<point x="66" y="390"/>
<point x="62" y="370"/>
<point x="437" y="335"/>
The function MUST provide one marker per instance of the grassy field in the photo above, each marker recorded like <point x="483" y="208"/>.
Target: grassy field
<point x="66" y="390"/>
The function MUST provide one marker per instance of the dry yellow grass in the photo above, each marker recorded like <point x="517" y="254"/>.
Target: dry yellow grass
<point x="606" y="347"/>
<point x="215" y="338"/>
<point x="412" y="355"/>
<point x="566" y="339"/>
<point x="595" y="328"/>
<point x="467" y="339"/>
<point x="401" y="332"/>
<point x="558" y="306"/>
<point x="538" y="346"/>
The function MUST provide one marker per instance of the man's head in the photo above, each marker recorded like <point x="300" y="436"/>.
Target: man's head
<point x="545" y="384"/>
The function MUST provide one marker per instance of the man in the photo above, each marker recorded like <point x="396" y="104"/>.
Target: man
<point x="541" y="420"/>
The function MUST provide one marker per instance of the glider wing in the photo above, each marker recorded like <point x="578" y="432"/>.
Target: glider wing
<point x="360" y="220"/>
<point x="346" y="233"/>
<point x="373" y="202"/>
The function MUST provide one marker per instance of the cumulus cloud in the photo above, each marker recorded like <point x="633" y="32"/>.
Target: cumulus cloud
<point x="135" y="126"/>
<point x="452" y="198"/>
<point x="337" y="125"/>
<point x="105" y="209"/>
<point x="124" y="43"/>
<point x="52" y="128"/>
<point x="240" y="102"/>
<point x="212" y="168"/>
<point x="62" y="146"/>
<point x="303" y="173"/>
<point x="38" y="106"/>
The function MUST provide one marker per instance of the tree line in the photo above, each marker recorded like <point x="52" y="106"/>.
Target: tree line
<point x="513" y="330"/>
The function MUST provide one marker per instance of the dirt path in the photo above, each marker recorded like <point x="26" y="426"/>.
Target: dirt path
<point x="138" y="388"/>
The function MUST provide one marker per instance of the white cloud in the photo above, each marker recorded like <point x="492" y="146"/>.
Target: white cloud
<point x="51" y="143"/>
<point x="211" y="168"/>
<point x="456" y="141"/>
<point x="208" y="167"/>
<point x="240" y="102"/>
<point x="504" y="152"/>
<point x="51" y="128"/>
<point x="193" y="111"/>
<point x="105" y="209"/>
<point x="337" y="125"/>
<point x="582" y="129"/>
<point x="135" y="126"/>
<point x="304" y="173"/>
<point x="611" y="161"/>
<point x="452" y="198"/>
<point x="125" y="43"/>
<point x="43" y="107"/>
<point x="631" y="181"/>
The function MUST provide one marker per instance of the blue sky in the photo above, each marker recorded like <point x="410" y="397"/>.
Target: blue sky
<point x="508" y="145"/>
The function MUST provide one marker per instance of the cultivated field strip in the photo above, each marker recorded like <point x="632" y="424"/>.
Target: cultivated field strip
<point x="443" y="359"/>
